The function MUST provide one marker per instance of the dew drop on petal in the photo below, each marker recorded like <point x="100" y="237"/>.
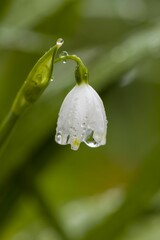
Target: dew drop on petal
<point x="73" y="131"/>
<point x="59" y="138"/>
<point x="83" y="125"/>
<point x="91" y="143"/>
<point x="89" y="140"/>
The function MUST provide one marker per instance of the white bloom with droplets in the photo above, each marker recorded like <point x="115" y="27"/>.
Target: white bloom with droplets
<point x="82" y="118"/>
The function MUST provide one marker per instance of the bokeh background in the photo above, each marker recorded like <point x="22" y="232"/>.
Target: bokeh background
<point x="47" y="191"/>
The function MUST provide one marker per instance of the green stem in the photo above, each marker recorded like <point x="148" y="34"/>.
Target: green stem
<point x="81" y="72"/>
<point x="71" y="57"/>
<point x="7" y="126"/>
<point x="35" y="84"/>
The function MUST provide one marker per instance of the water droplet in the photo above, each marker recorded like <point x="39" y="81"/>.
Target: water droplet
<point x="89" y="140"/>
<point x="91" y="143"/>
<point x="59" y="138"/>
<point x="60" y="42"/>
<point x="51" y="80"/>
<point x="83" y="125"/>
<point x="63" y="54"/>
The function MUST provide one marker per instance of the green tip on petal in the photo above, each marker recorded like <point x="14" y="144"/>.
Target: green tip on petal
<point x="81" y="74"/>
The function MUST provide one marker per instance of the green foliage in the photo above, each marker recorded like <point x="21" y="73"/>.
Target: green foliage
<point x="48" y="191"/>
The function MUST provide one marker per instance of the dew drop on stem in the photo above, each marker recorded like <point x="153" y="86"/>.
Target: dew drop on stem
<point x="63" y="54"/>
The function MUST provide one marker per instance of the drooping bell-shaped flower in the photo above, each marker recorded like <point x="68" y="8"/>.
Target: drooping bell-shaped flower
<point x="82" y="117"/>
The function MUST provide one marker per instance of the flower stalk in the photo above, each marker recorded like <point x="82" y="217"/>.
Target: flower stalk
<point x="35" y="84"/>
<point x="81" y="72"/>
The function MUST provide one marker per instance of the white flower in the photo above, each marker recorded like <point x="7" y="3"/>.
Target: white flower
<point x="82" y="118"/>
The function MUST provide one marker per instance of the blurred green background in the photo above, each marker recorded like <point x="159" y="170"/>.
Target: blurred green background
<point x="47" y="191"/>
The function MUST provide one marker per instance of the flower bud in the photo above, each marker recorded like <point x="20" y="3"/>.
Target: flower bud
<point x="37" y="80"/>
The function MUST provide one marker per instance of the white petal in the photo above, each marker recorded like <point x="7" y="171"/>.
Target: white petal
<point x="98" y="122"/>
<point x="82" y="118"/>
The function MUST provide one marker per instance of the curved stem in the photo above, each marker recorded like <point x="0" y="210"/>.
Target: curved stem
<point x="71" y="57"/>
<point x="81" y="72"/>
